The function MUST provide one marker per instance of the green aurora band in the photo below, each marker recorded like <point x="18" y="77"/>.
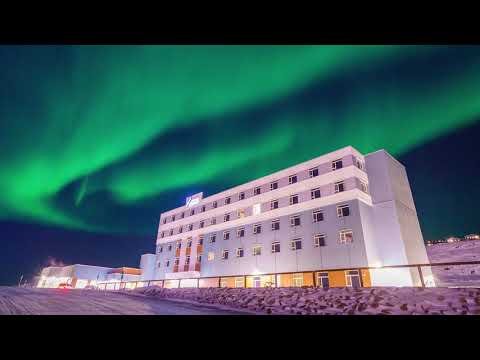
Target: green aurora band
<point x="135" y="122"/>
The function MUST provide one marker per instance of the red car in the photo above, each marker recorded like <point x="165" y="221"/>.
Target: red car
<point x="65" y="286"/>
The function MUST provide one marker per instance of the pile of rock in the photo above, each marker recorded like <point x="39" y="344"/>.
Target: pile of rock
<point x="334" y="301"/>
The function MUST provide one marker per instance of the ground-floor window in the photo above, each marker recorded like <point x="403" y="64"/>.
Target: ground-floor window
<point x="239" y="282"/>
<point x="322" y="280"/>
<point x="298" y="280"/>
<point x="353" y="278"/>
<point x="257" y="281"/>
<point x="223" y="283"/>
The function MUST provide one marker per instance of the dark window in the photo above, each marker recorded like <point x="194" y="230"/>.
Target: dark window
<point x="213" y="238"/>
<point x="182" y="215"/>
<point x="190" y="227"/>
<point x="337" y="164"/>
<point x="274" y="204"/>
<point x="257" y="228"/>
<point x="171" y="232"/>
<point x="162" y="235"/>
<point x="239" y="252"/>
<point x="200" y="240"/>
<point x="274" y="185"/>
<point x="170" y="247"/>
<point x="292" y="179"/>
<point x="295" y="221"/>
<point x="276" y="247"/>
<point x="313" y="172"/>
<point x="241" y="196"/>
<point x="241" y="232"/>
<point x="226" y="235"/>
<point x="275" y="225"/>
<point x="293" y="199"/>
<point x="315" y="193"/>
<point x="225" y="255"/>
<point x="214" y="204"/>
<point x="173" y="218"/>
<point x="180" y="229"/>
<point x="202" y="223"/>
<point x="317" y="216"/>
<point x="160" y="250"/>
<point x="227" y="200"/>
<point x="203" y="208"/>
<point x="187" y="260"/>
<point x="213" y="221"/>
<point x="297" y="244"/>
<point x="343" y="210"/>
<point x="339" y="187"/>
<point x="226" y="217"/>
<point x="319" y="240"/>
<point x="257" y="191"/>
<point x="192" y="212"/>
<point x="165" y="220"/>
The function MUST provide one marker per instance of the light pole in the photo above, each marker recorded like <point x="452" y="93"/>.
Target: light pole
<point x="20" y="282"/>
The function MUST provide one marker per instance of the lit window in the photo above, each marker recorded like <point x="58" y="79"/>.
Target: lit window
<point x="343" y="210"/>
<point x="315" y="193"/>
<point x="239" y="282"/>
<point x="225" y="254"/>
<point x="213" y="221"/>
<point x="202" y="224"/>
<point x="339" y="186"/>
<point x="293" y="199"/>
<point x="274" y="185"/>
<point x="239" y="252"/>
<point x="276" y="247"/>
<point x="292" y="179"/>
<point x="227" y="200"/>
<point x="241" y="213"/>
<point x="274" y="204"/>
<point x="298" y="280"/>
<point x="211" y="256"/>
<point x="241" y="232"/>
<point x="317" y="216"/>
<point x="226" y="235"/>
<point x="275" y="224"/>
<point x="213" y="238"/>
<point x="241" y="196"/>
<point x="190" y="227"/>
<point x="313" y="172"/>
<point x="187" y="260"/>
<point x="337" y="164"/>
<point x="319" y="240"/>
<point x="226" y="217"/>
<point x="257" y="209"/>
<point x="363" y="187"/>
<point x="296" y="244"/>
<point x="257" y="191"/>
<point x="200" y="240"/>
<point x="295" y="220"/>
<point x="257" y="250"/>
<point x="346" y="236"/>
<point x="257" y="228"/>
<point x="214" y="204"/>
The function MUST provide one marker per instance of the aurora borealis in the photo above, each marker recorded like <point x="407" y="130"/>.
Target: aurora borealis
<point x="98" y="140"/>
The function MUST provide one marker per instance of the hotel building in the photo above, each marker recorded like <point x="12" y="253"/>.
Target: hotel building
<point x="321" y="222"/>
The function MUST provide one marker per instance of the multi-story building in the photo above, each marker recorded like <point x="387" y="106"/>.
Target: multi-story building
<point x="316" y="223"/>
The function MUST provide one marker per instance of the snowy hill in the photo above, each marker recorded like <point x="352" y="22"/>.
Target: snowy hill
<point x="465" y="275"/>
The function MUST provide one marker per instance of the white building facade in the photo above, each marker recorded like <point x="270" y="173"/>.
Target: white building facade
<point x="321" y="222"/>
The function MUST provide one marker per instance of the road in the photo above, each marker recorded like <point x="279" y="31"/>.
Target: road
<point x="22" y="301"/>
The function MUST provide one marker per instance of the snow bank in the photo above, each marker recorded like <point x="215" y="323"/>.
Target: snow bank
<point x="334" y="301"/>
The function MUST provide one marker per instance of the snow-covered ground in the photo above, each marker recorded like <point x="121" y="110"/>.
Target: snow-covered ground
<point x="458" y="275"/>
<point x="334" y="301"/>
<point x="27" y="301"/>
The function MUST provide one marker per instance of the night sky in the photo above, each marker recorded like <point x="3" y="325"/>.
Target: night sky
<point x="97" y="141"/>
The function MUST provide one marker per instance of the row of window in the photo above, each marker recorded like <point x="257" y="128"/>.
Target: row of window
<point x="292" y="179"/>
<point x="319" y="240"/>
<point x="295" y="220"/>
<point x="274" y="204"/>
